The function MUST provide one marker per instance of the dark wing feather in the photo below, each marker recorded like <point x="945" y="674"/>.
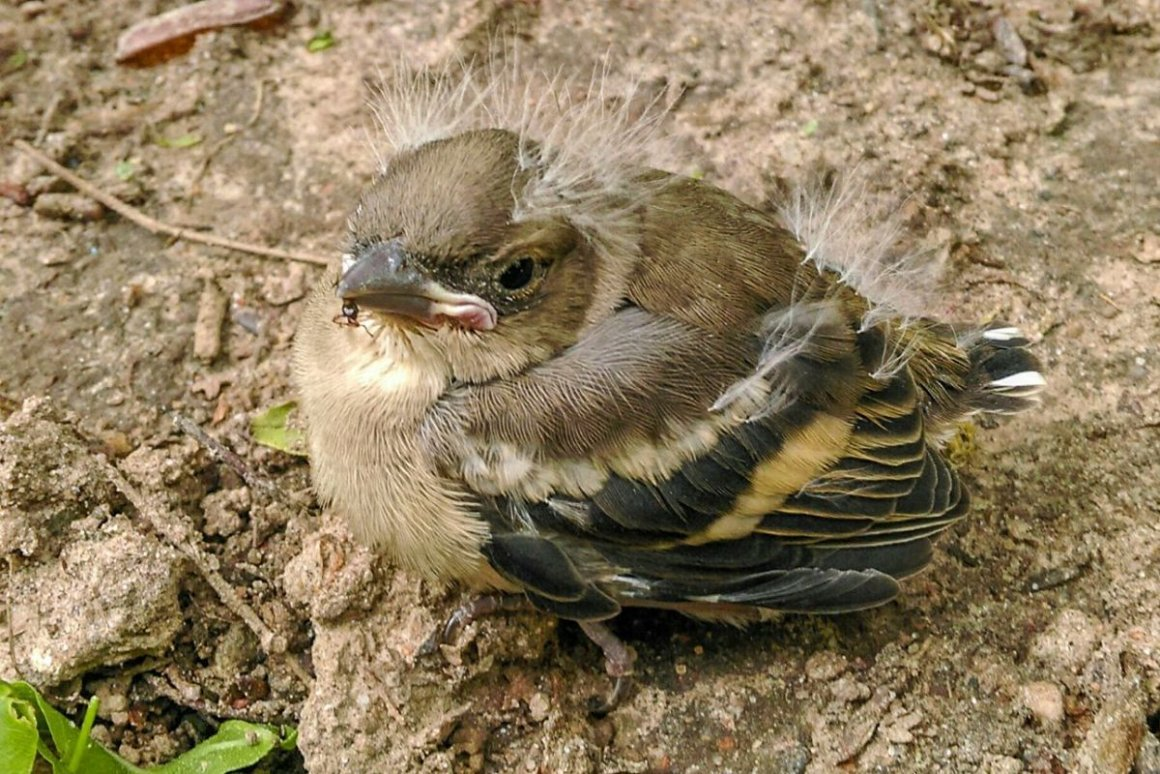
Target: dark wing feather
<point x="536" y="564"/>
<point x="838" y="543"/>
<point x="548" y="577"/>
<point x="808" y="589"/>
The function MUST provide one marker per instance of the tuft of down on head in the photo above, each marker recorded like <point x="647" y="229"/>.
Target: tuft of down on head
<point x="586" y="145"/>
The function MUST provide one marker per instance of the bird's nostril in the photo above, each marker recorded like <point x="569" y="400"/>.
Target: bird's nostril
<point x="390" y="255"/>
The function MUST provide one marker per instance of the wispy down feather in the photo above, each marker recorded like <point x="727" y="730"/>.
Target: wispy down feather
<point x="588" y="143"/>
<point x="788" y="334"/>
<point x="844" y="230"/>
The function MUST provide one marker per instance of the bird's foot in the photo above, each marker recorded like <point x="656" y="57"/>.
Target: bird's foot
<point x="619" y="658"/>
<point x="472" y="610"/>
<point x="618" y="662"/>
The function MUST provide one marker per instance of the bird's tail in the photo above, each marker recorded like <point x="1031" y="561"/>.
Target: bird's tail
<point x="1004" y="377"/>
<point x="988" y="369"/>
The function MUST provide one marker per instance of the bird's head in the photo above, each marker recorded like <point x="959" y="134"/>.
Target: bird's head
<point x="437" y="249"/>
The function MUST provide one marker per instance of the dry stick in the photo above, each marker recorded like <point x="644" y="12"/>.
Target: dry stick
<point x="134" y="215"/>
<point x="178" y="536"/>
<point x="46" y="118"/>
<point x="223" y="454"/>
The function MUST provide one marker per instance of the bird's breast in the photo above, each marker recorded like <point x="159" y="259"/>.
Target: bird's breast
<point x="364" y="400"/>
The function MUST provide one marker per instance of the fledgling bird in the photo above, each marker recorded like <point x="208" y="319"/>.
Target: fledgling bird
<point x="546" y="368"/>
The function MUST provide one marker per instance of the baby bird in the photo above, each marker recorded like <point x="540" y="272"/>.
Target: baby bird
<point x="545" y="368"/>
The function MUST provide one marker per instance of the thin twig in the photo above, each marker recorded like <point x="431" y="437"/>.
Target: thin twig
<point x="139" y="218"/>
<point x="1108" y="300"/>
<point x="46" y="118"/>
<point x="224" y="454"/>
<point x="1004" y="281"/>
<point x="178" y="535"/>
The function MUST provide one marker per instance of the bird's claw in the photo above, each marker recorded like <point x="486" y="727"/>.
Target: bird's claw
<point x="618" y="657"/>
<point x="469" y="611"/>
<point x="618" y="663"/>
<point x="600" y="706"/>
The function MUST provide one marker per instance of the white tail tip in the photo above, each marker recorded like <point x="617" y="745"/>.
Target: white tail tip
<point x="1021" y="380"/>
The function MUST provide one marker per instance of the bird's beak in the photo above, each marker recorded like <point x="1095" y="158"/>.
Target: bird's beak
<point x="383" y="279"/>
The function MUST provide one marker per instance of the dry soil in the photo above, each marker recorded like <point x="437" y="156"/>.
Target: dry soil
<point x="1022" y="140"/>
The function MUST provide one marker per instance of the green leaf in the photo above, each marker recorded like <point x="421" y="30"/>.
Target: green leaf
<point x="810" y="128"/>
<point x="124" y="170"/>
<point x="320" y="42"/>
<point x="18" y="734"/>
<point x="270" y="428"/>
<point x="236" y="745"/>
<point x="25" y="718"/>
<point x="15" y="61"/>
<point x="92" y="759"/>
<point x="184" y="141"/>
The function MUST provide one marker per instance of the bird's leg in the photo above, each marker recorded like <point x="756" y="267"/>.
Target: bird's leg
<point x="472" y="610"/>
<point x="618" y="662"/>
<point x="618" y="657"/>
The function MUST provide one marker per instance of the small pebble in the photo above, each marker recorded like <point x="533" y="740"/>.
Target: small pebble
<point x="63" y="206"/>
<point x="1045" y="701"/>
<point x="16" y="192"/>
<point x="900" y="730"/>
<point x="116" y="444"/>
<point x="211" y="313"/>
<point x="33" y="8"/>
<point x="849" y="690"/>
<point x="1009" y="42"/>
<point x="538" y="707"/>
<point x="39" y="185"/>
<point x="281" y="288"/>
<point x="825" y="666"/>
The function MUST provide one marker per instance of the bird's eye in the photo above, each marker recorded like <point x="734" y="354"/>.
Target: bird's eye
<point x="517" y="275"/>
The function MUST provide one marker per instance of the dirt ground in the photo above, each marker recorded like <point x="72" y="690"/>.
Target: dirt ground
<point x="1022" y="139"/>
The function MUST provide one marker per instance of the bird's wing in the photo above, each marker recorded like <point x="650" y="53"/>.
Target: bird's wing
<point x="819" y="503"/>
<point x="723" y="529"/>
